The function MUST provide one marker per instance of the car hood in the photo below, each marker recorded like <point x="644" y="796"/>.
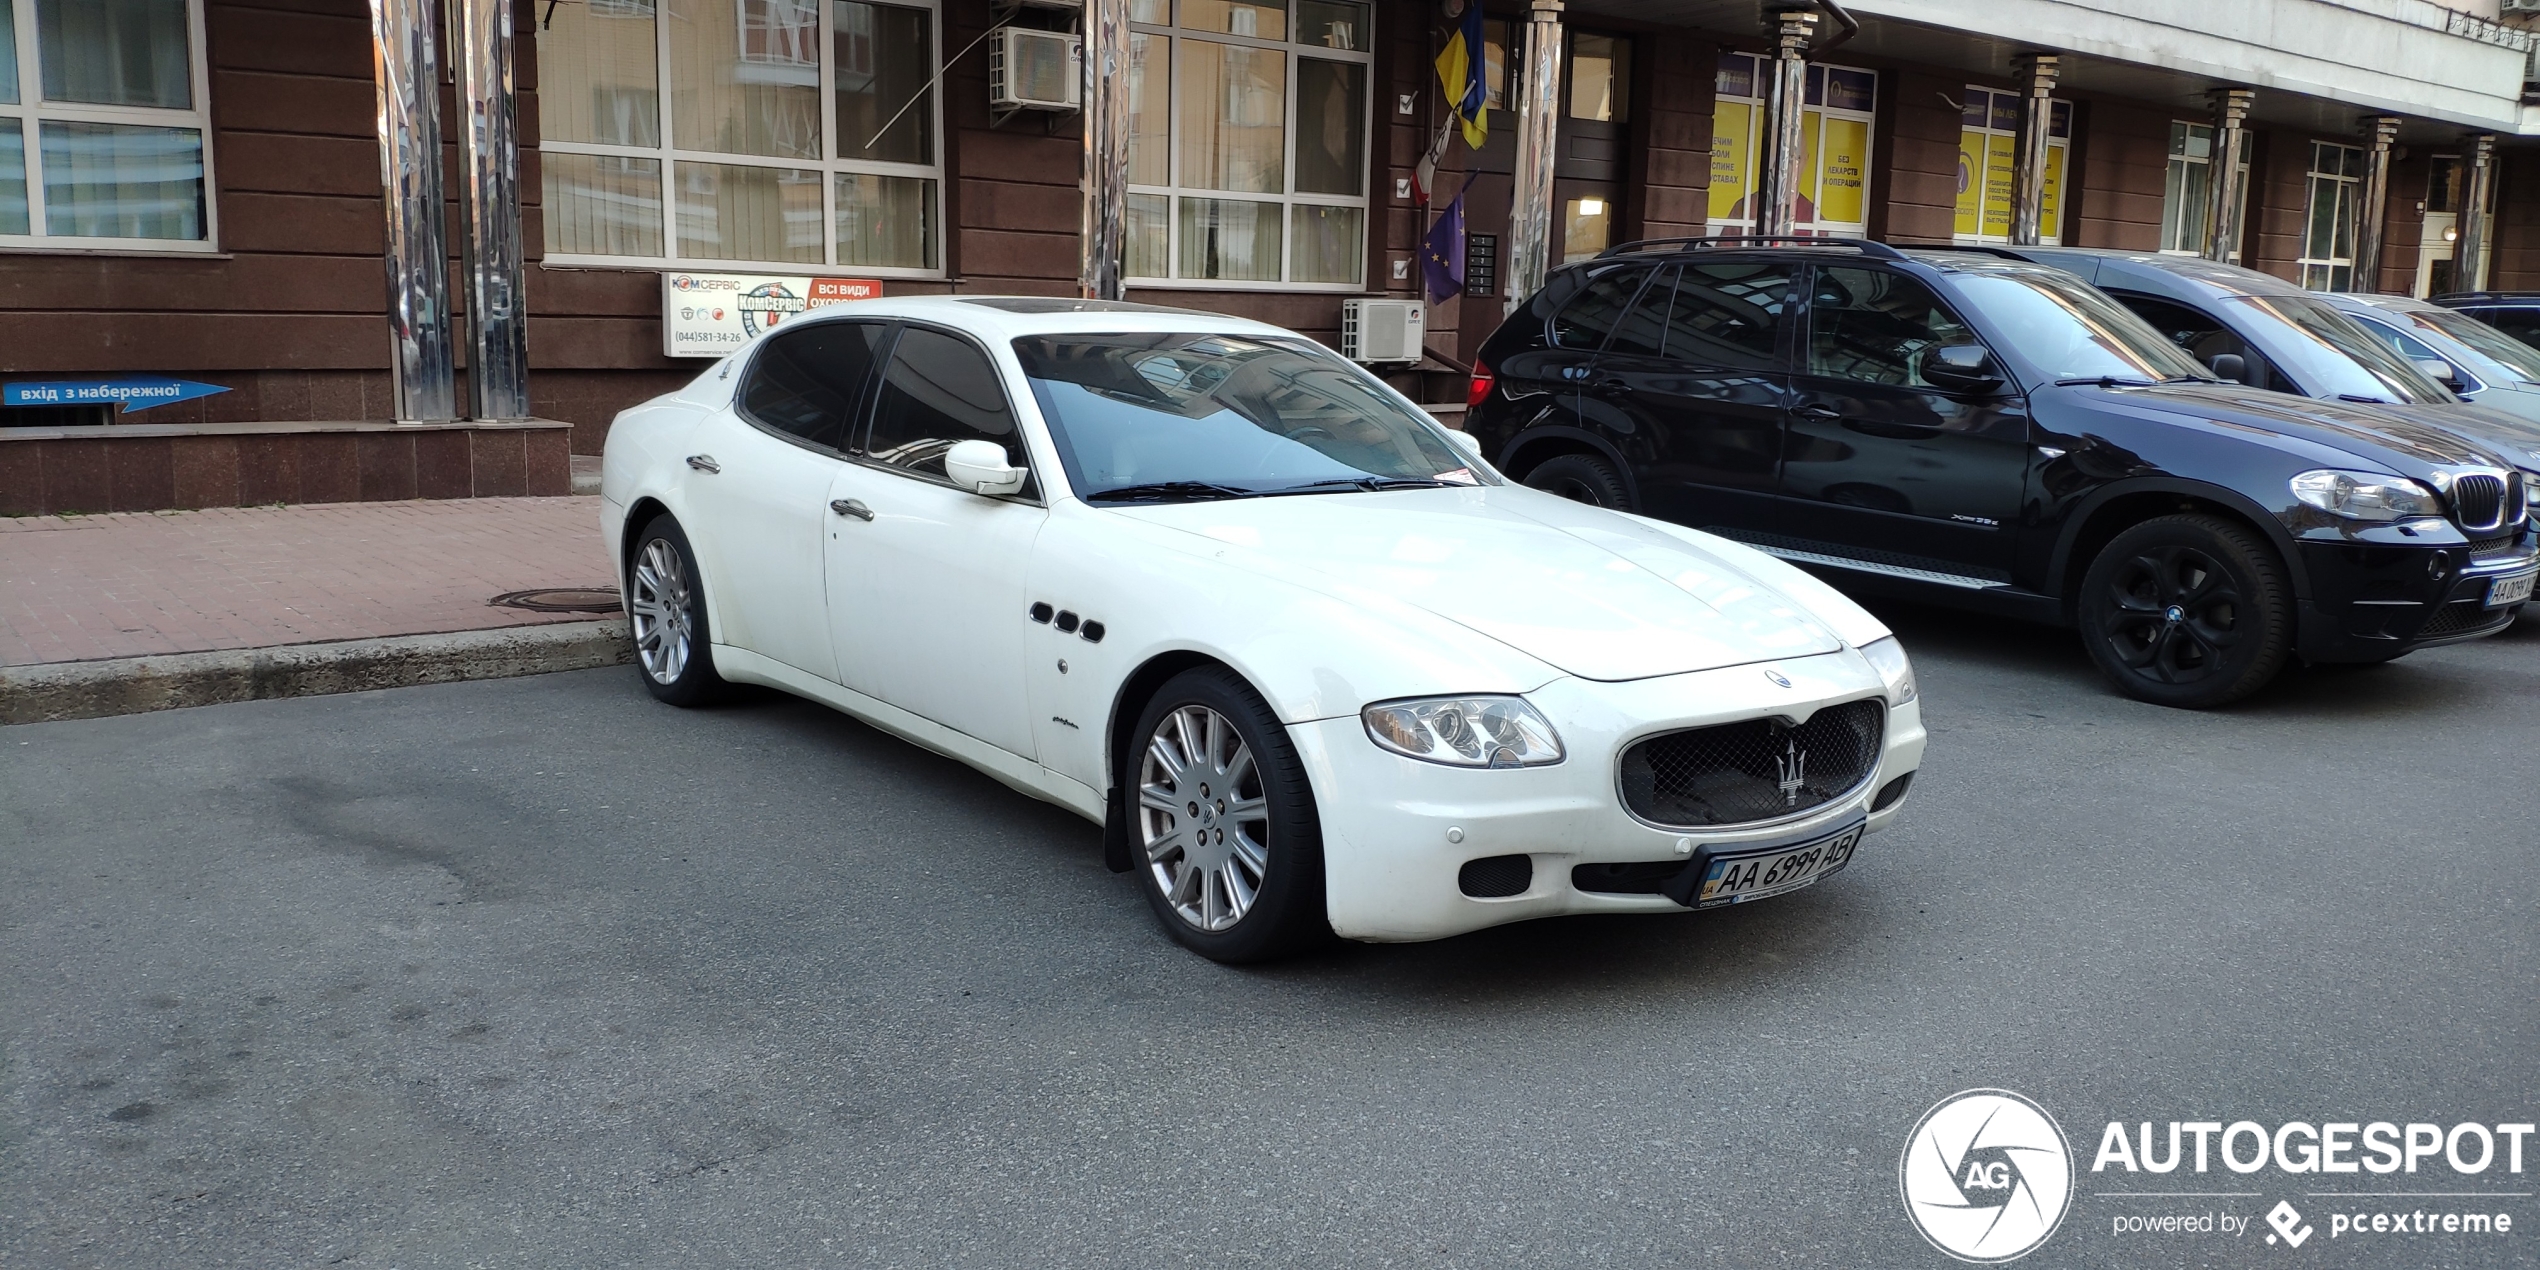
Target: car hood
<point x="1620" y="601"/>
<point x="2399" y="438"/>
<point x="2488" y="423"/>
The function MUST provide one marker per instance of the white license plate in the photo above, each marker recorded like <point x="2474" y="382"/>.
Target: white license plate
<point x="1754" y="875"/>
<point x="2513" y="589"/>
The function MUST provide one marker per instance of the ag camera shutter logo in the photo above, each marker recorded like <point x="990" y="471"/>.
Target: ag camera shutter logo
<point x="1986" y="1176"/>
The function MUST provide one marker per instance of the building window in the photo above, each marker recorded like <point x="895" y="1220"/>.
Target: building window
<point x="1988" y="151"/>
<point x="794" y="133"/>
<point x="102" y="125"/>
<point x="2328" y="217"/>
<point x="2187" y="193"/>
<point x="1834" y="164"/>
<point x="1248" y="151"/>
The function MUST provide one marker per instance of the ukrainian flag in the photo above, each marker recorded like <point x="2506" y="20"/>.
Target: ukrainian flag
<point x="1460" y="70"/>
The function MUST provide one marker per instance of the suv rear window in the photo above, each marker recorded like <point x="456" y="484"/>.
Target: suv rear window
<point x="1587" y="319"/>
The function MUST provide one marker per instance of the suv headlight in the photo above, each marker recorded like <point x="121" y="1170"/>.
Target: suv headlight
<point x="2364" y="495"/>
<point x="1888" y="657"/>
<point x="1465" y="731"/>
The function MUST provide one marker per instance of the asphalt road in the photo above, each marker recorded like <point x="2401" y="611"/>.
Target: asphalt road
<point x="539" y="973"/>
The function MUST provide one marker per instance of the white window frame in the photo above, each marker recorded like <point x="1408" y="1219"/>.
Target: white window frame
<point x="1174" y="36"/>
<point x="2064" y="187"/>
<point x="2341" y="186"/>
<point x="669" y="155"/>
<point x="2213" y="138"/>
<point x="1755" y="151"/>
<point x="32" y="111"/>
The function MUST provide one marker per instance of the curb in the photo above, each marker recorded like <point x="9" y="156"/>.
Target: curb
<point x="135" y="685"/>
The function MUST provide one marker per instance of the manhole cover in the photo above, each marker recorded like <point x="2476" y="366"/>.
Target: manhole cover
<point x="561" y="600"/>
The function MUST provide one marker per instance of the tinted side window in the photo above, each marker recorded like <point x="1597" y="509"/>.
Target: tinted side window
<point x="2406" y="344"/>
<point x="2202" y="337"/>
<point x="1873" y="326"/>
<point x="2522" y="324"/>
<point x="938" y="392"/>
<point x="1586" y="320"/>
<point x="1729" y="315"/>
<point x="1643" y="330"/>
<point x="806" y="382"/>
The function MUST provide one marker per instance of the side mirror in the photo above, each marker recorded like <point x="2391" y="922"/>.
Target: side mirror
<point x="1961" y="368"/>
<point x="2231" y="366"/>
<point x="2441" y="372"/>
<point x="980" y="467"/>
<point x="1471" y="445"/>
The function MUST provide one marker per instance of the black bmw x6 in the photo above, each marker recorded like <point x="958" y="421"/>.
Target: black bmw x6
<point x="2001" y="436"/>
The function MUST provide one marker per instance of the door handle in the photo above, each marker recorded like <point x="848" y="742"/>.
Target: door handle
<point x="851" y="507"/>
<point x="1827" y="413"/>
<point x="704" y="463"/>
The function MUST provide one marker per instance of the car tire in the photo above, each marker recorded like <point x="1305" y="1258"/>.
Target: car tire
<point x="2190" y="611"/>
<point x="1582" y="478"/>
<point x="1227" y="847"/>
<point x="666" y="617"/>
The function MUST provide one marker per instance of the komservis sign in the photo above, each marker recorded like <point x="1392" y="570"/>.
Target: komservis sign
<point x="711" y="314"/>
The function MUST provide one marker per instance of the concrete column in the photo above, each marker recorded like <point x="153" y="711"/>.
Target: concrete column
<point x="2037" y="72"/>
<point x="1785" y="105"/>
<point x="1532" y="224"/>
<point x="489" y="164"/>
<point x="406" y="62"/>
<point x="1105" y="179"/>
<point x="2372" y="203"/>
<point x="2231" y="149"/>
<point x="2478" y="189"/>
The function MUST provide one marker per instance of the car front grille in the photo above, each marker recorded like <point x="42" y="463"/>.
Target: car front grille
<point x="2461" y="617"/>
<point x="2499" y="546"/>
<point x="2481" y="501"/>
<point x="1757" y="769"/>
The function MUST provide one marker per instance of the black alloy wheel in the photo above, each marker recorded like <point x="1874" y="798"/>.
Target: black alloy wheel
<point x="2190" y="611"/>
<point x="1581" y="478"/>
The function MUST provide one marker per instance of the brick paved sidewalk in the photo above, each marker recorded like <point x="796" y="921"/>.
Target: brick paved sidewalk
<point x="77" y="588"/>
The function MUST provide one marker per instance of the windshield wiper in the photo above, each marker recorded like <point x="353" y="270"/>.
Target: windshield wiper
<point x="1339" y="484"/>
<point x="2106" y="381"/>
<point x="1158" y="491"/>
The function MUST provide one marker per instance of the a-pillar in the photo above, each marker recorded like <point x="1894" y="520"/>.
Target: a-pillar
<point x="407" y="61"/>
<point x="2372" y="205"/>
<point x="1785" y="109"/>
<point x="2230" y="184"/>
<point x="2478" y="191"/>
<point x="1105" y="179"/>
<point x="1531" y="224"/>
<point x="2037" y="73"/>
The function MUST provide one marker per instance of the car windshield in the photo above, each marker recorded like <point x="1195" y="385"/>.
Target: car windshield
<point x="1205" y="415"/>
<point x="2068" y="329"/>
<point x="2506" y="351"/>
<point x="2333" y="357"/>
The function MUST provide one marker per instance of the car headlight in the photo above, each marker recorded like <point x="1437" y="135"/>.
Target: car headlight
<point x="2364" y="495"/>
<point x="1465" y="731"/>
<point x="1888" y="657"/>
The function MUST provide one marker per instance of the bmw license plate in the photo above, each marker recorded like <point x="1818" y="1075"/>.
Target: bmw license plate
<point x="1735" y="878"/>
<point x="2512" y="589"/>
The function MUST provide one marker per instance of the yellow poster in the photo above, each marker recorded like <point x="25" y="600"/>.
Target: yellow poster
<point x="2051" y="207"/>
<point x="1997" y="186"/>
<point x="1732" y="137"/>
<point x="1810" y="124"/>
<point x="1844" y="200"/>
<point x="1970" y="181"/>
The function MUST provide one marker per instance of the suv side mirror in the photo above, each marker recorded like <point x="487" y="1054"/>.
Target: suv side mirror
<point x="1961" y="368"/>
<point x="980" y="467"/>
<point x="2231" y="366"/>
<point x="2441" y="372"/>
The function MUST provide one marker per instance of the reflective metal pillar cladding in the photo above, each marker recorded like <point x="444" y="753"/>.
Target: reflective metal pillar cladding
<point x="2037" y="73"/>
<point x="1785" y="107"/>
<point x="407" y="65"/>
<point x="489" y="159"/>
<point x="2231" y="150"/>
<point x="1105" y="179"/>
<point x="2372" y="204"/>
<point x="2469" y="255"/>
<point x="1532" y="227"/>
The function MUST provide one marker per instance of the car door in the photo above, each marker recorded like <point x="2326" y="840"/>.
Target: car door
<point x="1695" y="378"/>
<point x="1882" y="465"/>
<point x="758" y="488"/>
<point x="926" y="599"/>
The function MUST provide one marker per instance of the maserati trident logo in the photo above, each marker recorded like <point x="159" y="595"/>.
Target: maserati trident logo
<point x="1793" y="765"/>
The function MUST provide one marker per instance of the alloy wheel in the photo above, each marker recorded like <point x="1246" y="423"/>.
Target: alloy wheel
<point x="661" y="606"/>
<point x="2174" y="614"/>
<point x="1203" y="818"/>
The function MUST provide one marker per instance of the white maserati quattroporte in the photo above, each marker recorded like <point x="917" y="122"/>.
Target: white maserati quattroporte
<point x="1313" y="666"/>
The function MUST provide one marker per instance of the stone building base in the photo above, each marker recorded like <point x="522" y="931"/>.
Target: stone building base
<point x="154" y="467"/>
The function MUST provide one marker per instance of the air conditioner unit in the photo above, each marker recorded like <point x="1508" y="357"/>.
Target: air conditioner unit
<point x="1381" y="330"/>
<point x="1035" y="70"/>
<point x="2522" y="6"/>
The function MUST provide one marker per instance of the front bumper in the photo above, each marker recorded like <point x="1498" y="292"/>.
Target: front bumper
<point x="2374" y="601"/>
<point x="1390" y="868"/>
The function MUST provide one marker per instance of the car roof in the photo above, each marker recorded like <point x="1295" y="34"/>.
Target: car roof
<point x="2189" y="278"/>
<point x="1000" y="317"/>
<point x="2387" y="303"/>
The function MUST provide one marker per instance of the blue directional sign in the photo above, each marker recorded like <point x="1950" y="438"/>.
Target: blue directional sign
<point x="131" y="392"/>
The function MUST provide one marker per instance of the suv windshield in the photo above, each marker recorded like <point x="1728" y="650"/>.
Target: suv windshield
<point x="1165" y="416"/>
<point x="2068" y="329"/>
<point x="2329" y="354"/>
<point x="2514" y="355"/>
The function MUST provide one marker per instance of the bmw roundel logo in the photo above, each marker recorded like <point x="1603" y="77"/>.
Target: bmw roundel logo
<point x="1776" y="676"/>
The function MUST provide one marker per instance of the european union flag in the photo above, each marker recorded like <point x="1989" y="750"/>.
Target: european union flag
<point x="1460" y="70"/>
<point x="1442" y="252"/>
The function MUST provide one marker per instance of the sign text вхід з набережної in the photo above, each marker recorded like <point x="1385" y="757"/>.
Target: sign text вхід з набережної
<point x="128" y="392"/>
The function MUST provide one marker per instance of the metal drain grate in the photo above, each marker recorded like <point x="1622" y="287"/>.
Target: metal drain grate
<point x="561" y="600"/>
